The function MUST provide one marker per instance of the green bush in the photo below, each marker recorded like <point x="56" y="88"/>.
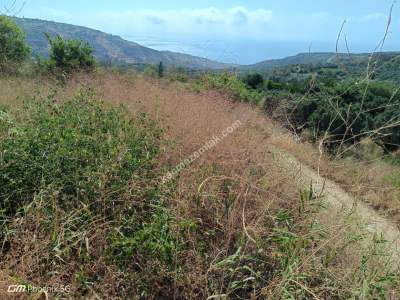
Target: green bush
<point x="348" y="110"/>
<point x="5" y="121"/>
<point x="155" y="239"/>
<point x="230" y="83"/>
<point x="79" y="168"/>
<point x="40" y="65"/>
<point x="151" y="71"/>
<point x="79" y="149"/>
<point x="69" y="55"/>
<point x="351" y="111"/>
<point x="253" y="80"/>
<point x="13" y="48"/>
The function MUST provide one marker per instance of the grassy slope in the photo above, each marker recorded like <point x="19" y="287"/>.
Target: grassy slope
<point x="246" y="229"/>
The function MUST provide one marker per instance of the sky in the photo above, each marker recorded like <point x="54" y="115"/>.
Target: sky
<point x="233" y="31"/>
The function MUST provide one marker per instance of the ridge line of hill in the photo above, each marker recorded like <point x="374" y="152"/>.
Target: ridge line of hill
<point x="109" y="48"/>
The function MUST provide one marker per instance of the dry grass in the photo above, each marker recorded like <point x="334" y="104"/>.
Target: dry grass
<point x="194" y="118"/>
<point x="236" y="195"/>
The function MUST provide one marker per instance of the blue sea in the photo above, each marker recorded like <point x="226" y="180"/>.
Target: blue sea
<point x="245" y="52"/>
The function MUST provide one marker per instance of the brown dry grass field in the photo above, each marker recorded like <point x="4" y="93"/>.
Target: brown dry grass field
<point x="195" y="117"/>
<point x="236" y="194"/>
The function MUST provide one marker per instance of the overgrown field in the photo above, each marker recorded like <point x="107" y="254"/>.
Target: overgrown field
<point x="83" y="204"/>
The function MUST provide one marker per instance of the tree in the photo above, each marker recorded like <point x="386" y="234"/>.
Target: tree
<point x="13" y="47"/>
<point x="68" y="55"/>
<point x="160" y="69"/>
<point x="253" y="80"/>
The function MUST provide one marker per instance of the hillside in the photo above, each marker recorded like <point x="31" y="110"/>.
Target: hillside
<point x="107" y="47"/>
<point x="135" y="183"/>
<point x="318" y="58"/>
<point x="241" y="221"/>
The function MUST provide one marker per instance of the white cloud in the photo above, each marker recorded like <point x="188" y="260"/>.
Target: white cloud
<point x="207" y="21"/>
<point x="231" y="24"/>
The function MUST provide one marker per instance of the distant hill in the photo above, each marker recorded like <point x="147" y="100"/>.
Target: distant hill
<point x="107" y="47"/>
<point x="318" y="58"/>
<point x="330" y="67"/>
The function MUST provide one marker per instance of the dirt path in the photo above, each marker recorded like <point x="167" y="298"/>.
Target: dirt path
<point x="338" y="200"/>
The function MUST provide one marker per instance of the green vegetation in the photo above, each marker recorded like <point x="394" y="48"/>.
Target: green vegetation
<point x="154" y="71"/>
<point x="67" y="56"/>
<point x="13" y="47"/>
<point x="77" y="149"/>
<point x="343" y="112"/>
<point x="253" y="80"/>
<point x="381" y="65"/>
<point x="230" y="83"/>
<point x="151" y="71"/>
<point x="77" y="163"/>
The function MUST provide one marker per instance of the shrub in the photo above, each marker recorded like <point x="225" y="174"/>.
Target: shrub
<point x="231" y="84"/>
<point x="179" y="74"/>
<point x="151" y="71"/>
<point x="79" y="149"/>
<point x="69" y="55"/>
<point x="353" y="111"/>
<point x="347" y="111"/>
<point x="153" y="240"/>
<point x="40" y="65"/>
<point x="77" y="169"/>
<point x="253" y="80"/>
<point x="5" y="121"/>
<point x="13" y="48"/>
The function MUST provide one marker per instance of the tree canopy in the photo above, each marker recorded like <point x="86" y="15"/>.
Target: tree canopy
<point x="13" y="47"/>
<point x="69" y="55"/>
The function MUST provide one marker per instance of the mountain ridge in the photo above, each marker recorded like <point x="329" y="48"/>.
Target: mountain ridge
<point x="108" y="47"/>
<point x="315" y="58"/>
